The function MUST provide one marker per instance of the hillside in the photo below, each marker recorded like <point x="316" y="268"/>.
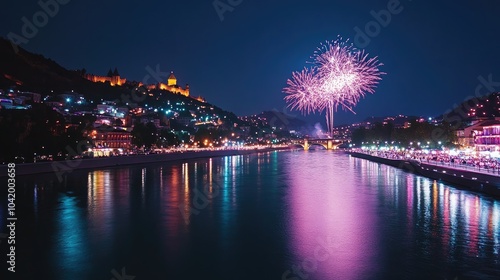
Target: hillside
<point x="484" y="107"/>
<point x="26" y="71"/>
<point x="282" y="120"/>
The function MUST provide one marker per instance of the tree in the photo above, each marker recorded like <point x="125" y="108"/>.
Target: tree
<point x="204" y="136"/>
<point x="144" y="134"/>
<point x="359" y="136"/>
<point x="39" y="130"/>
<point x="167" y="138"/>
<point x="424" y="132"/>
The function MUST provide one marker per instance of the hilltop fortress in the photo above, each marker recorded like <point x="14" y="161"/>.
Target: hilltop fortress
<point x="171" y="86"/>
<point x="114" y="79"/>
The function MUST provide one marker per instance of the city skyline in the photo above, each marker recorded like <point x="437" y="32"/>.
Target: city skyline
<point x="240" y="56"/>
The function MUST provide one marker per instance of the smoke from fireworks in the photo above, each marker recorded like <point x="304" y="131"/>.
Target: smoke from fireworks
<point x="340" y="76"/>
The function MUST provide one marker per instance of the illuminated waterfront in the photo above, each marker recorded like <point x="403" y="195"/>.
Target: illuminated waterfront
<point x="276" y="215"/>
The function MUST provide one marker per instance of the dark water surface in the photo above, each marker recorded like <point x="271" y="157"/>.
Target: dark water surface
<point x="278" y="215"/>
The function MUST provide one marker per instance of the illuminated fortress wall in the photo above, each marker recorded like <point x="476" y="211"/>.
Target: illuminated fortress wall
<point x="114" y="80"/>
<point x="171" y="86"/>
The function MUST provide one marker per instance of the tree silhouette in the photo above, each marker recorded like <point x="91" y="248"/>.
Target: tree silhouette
<point x="144" y="135"/>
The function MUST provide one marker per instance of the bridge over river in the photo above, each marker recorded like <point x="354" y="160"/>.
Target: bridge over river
<point x="328" y="144"/>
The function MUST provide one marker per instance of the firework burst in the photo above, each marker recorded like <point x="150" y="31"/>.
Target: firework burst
<point x="340" y="75"/>
<point x="301" y="91"/>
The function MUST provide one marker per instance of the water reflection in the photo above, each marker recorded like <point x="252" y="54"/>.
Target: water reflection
<point x="323" y="209"/>
<point x="313" y="215"/>
<point x="71" y="239"/>
<point x="442" y="223"/>
<point x="366" y="205"/>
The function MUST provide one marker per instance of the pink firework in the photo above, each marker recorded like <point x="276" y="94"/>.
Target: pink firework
<point x="301" y="91"/>
<point x="340" y="76"/>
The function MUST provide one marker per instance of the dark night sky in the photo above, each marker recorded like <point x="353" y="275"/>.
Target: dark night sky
<point x="433" y="51"/>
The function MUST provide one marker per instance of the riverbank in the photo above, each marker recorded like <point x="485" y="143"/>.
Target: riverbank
<point x="463" y="179"/>
<point x="61" y="167"/>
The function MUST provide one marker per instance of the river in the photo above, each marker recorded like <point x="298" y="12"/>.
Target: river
<point x="275" y="215"/>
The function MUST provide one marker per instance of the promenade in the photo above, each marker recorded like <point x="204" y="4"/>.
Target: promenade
<point x="473" y="178"/>
<point x="484" y="165"/>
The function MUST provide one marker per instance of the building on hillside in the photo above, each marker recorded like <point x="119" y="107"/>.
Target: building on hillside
<point x="114" y="139"/>
<point x="185" y="120"/>
<point x="6" y="103"/>
<point x="24" y="97"/>
<point x="155" y="121"/>
<point x="113" y="78"/>
<point x="465" y="135"/>
<point x="9" y="103"/>
<point x="487" y="136"/>
<point x="171" y="86"/>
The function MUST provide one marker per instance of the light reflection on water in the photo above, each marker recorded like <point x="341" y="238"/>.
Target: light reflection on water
<point x="309" y="215"/>
<point x="444" y="225"/>
<point x="72" y="242"/>
<point x="327" y="206"/>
